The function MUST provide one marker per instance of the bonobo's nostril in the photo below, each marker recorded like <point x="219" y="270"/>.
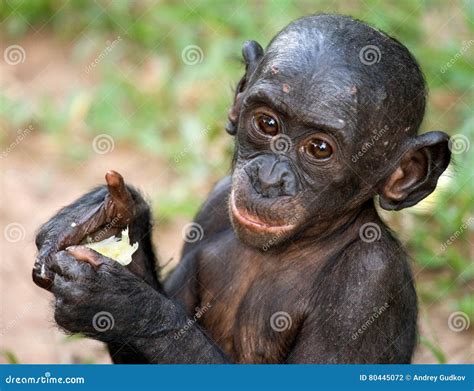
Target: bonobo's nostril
<point x="271" y="177"/>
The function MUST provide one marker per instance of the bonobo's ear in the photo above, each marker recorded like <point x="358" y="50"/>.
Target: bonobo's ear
<point x="417" y="173"/>
<point x="252" y="53"/>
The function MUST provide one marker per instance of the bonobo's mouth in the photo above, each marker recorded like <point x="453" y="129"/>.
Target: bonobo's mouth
<point x="254" y="223"/>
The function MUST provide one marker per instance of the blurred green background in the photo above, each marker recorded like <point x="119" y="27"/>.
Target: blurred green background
<point x="140" y="84"/>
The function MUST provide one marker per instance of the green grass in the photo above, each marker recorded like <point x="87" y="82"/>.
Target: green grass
<point x="9" y="357"/>
<point x="435" y="350"/>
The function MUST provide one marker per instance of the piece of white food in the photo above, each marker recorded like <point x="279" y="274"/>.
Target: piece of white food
<point x="118" y="249"/>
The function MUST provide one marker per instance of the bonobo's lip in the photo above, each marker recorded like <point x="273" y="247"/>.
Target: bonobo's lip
<point x="255" y="224"/>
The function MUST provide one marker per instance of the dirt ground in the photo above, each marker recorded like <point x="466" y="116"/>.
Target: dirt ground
<point x="36" y="181"/>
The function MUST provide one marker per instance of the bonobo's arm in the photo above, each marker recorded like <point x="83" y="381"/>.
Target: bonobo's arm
<point x="96" y="296"/>
<point x="213" y="218"/>
<point x="378" y="303"/>
<point x="100" y="298"/>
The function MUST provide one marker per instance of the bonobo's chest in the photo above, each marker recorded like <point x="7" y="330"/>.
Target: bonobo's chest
<point x="255" y="303"/>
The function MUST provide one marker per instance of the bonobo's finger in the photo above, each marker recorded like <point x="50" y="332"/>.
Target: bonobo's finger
<point x="120" y="204"/>
<point x="117" y="189"/>
<point x="66" y="265"/>
<point x="116" y="210"/>
<point x="61" y="286"/>
<point x="42" y="275"/>
<point x="86" y="254"/>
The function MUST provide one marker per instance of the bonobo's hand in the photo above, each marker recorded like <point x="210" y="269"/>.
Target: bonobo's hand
<point x="101" y="299"/>
<point x="92" y="291"/>
<point x="99" y="214"/>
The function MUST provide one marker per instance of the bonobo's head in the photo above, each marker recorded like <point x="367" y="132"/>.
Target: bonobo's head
<point x="325" y="119"/>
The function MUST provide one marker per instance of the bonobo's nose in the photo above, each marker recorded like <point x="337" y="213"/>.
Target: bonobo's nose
<point x="272" y="177"/>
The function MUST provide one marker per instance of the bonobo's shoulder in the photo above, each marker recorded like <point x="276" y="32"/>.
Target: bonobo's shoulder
<point x="367" y="277"/>
<point x="221" y="190"/>
<point x="214" y="211"/>
<point x="213" y="216"/>
<point x="375" y="255"/>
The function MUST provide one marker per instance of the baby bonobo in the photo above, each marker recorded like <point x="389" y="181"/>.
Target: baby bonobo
<point x="294" y="264"/>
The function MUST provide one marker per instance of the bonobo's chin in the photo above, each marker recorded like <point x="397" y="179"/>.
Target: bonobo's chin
<point x="255" y="232"/>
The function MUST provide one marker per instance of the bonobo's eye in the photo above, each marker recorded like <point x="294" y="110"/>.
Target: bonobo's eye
<point x="318" y="148"/>
<point x="265" y="123"/>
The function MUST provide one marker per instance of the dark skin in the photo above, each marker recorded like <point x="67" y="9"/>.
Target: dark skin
<point x="295" y="265"/>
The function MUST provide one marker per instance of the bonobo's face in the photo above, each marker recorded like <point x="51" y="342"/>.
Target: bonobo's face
<point x="319" y="130"/>
<point x="290" y="170"/>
